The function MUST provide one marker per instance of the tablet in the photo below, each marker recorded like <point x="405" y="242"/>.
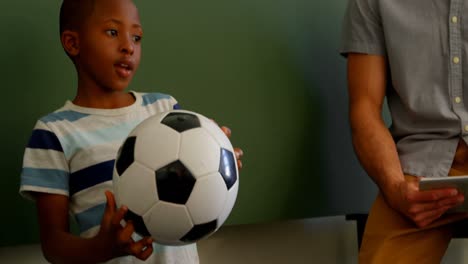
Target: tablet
<point x="458" y="182"/>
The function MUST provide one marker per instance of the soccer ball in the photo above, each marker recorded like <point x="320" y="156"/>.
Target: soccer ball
<point x="177" y="174"/>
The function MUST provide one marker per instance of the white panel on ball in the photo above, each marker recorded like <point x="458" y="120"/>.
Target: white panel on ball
<point x="207" y="199"/>
<point x="230" y="201"/>
<point x="199" y="152"/>
<point x="137" y="188"/>
<point x="168" y="222"/>
<point x="148" y="123"/>
<point x="157" y="145"/>
<point x="216" y="132"/>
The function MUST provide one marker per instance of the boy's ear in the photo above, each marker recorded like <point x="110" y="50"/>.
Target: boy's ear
<point x="70" y="42"/>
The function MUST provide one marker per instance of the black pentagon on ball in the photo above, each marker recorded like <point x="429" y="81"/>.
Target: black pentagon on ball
<point x="174" y="183"/>
<point x="138" y="223"/>
<point x="200" y="231"/>
<point x="126" y="155"/>
<point x="181" y="122"/>
<point x="227" y="168"/>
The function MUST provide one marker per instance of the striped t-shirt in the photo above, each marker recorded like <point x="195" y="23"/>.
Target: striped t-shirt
<point x="72" y="152"/>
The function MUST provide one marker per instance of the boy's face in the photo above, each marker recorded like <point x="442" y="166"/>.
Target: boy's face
<point x="109" y="45"/>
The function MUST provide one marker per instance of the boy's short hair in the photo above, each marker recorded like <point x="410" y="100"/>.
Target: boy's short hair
<point x="73" y="13"/>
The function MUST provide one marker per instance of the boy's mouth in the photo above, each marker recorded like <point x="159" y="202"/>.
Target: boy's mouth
<point x="124" y="69"/>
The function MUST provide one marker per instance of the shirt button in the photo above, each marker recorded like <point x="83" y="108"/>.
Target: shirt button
<point x="454" y="19"/>
<point x="457" y="100"/>
<point x="456" y="60"/>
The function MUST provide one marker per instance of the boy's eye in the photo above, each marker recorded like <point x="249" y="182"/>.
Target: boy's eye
<point x="137" y="38"/>
<point x="111" y="32"/>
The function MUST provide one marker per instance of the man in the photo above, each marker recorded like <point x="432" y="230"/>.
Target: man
<point x="413" y="53"/>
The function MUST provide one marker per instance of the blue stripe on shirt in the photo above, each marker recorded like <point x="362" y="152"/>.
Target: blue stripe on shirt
<point x="48" y="178"/>
<point x="68" y="115"/>
<point x="82" y="140"/>
<point x="153" y="97"/>
<point x="91" y="176"/>
<point x="43" y="139"/>
<point x="90" y="217"/>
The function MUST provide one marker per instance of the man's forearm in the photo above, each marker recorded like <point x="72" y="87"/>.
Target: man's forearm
<point x="375" y="148"/>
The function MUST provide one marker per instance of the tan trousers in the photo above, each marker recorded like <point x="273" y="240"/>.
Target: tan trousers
<point x="389" y="237"/>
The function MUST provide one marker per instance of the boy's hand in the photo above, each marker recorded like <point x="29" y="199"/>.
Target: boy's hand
<point x="117" y="239"/>
<point x="423" y="207"/>
<point x="237" y="151"/>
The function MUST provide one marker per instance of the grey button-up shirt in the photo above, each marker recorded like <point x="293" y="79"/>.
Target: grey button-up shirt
<point x="426" y="46"/>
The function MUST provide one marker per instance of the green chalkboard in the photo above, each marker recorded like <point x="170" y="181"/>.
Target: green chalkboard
<point x="247" y="64"/>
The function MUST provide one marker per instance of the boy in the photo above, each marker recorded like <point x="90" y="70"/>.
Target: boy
<point x="69" y="160"/>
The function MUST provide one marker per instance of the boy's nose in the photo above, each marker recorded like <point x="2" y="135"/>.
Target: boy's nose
<point x="127" y="46"/>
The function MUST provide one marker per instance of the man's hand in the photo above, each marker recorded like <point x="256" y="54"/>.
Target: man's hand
<point x="117" y="239"/>
<point x="422" y="207"/>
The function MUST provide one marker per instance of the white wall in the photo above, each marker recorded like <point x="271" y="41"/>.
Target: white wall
<point x="326" y="240"/>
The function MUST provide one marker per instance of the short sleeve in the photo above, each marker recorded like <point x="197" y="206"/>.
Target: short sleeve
<point x="45" y="168"/>
<point x="362" y="30"/>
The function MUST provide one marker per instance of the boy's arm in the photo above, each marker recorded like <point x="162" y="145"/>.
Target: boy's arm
<point x="60" y="246"/>
<point x="376" y="149"/>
